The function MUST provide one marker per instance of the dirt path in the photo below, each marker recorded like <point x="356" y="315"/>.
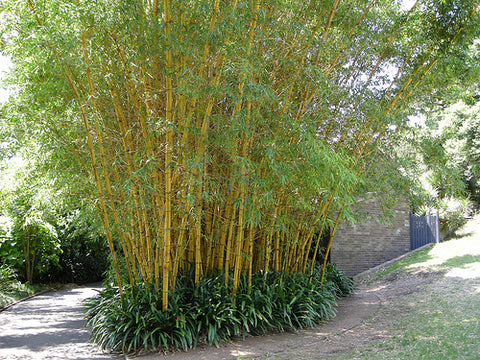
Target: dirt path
<point x="48" y="326"/>
<point x="51" y="326"/>
<point x="361" y="319"/>
<point x="352" y="313"/>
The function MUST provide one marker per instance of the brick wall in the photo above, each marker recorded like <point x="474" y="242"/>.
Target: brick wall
<point x="371" y="242"/>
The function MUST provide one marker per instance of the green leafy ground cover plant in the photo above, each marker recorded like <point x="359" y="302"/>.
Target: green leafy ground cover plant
<point x="11" y="289"/>
<point x="412" y="258"/>
<point x="206" y="312"/>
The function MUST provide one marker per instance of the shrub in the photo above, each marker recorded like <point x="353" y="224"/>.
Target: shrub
<point x="11" y="254"/>
<point x="454" y="214"/>
<point x="7" y="277"/>
<point x="207" y="313"/>
<point x="11" y="289"/>
<point x="36" y="245"/>
<point x="83" y="260"/>
<point x="84" y="251"/>
<point x="343" y="284"/>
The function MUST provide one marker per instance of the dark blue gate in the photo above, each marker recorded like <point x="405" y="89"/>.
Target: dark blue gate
<point x="424" y="230"/>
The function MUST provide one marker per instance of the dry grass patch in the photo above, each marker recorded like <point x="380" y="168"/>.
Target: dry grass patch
<point x="438" y="318"/>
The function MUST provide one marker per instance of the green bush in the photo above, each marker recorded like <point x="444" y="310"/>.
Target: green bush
<point x="35" y="248"/>
<point x="207" y="313"/>
<point x="11" y="254"/>
<point x="454" y="214"/>
<point x="84" y="260"/>
<point x="11" y="289"/>
<point x="7" y="277"/>
<point x="343" y="284"/>
<point x="85" y="254"/>
<point x="71" y="250"/>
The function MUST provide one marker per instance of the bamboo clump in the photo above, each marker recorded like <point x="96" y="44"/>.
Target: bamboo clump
<point x="226" y="138"/>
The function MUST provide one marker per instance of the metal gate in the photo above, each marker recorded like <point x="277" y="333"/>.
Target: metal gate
<point x="424" y="230"/>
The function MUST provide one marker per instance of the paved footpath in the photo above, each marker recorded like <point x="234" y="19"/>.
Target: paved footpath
<point x="49" y="326"/>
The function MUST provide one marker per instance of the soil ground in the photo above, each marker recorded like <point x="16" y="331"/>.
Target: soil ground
<point x="361" y="319"/>
<point x="51" y="326"/>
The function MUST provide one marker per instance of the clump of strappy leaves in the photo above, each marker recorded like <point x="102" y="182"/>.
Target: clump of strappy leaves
<point x="207" y="313"/>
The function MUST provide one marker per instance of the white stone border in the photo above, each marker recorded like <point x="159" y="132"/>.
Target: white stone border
<point x="365" y="273"/>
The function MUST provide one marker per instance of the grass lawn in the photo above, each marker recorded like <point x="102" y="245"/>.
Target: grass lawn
<point x="442" y="321"/>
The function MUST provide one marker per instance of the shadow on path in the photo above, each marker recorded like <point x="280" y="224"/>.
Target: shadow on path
<point x="49" y="326"/>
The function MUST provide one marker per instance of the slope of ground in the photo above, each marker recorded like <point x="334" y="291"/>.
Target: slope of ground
<point x="426" y="306"/>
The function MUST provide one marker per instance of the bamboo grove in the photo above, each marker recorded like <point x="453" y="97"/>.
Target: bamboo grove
<point x="227" y="136"/>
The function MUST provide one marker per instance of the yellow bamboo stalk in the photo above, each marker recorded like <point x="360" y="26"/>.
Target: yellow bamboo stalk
<point x="103" y="155"/>
<point x="276" y="250"/>
<point x="250" y="255"/>
<point x="146" y="237"/>
<point x="268" y="246"/>
<point x="342" y="47"/>
<point x="97" y="182"/>
<point x="240" y="232"/>
<point x="129" y="147"/>
<point x="330" y="18"/>
<point x="152" y="255"/>
<point x="180" y="251"/>
<point x="239" y="244"/>
<point x="138" y="255"/>
<point x="329" y="245"/>
<point x="126" y="245"/>
<point x="302" y="253"/>
<point x="193" y="105"/>
<point x="229" y="214"/>
<point x="229" y="245"/>
<point x="168" y="159"/>
<point x="322" y="218"/>
<point x="199" y="158"/>
<point x="34" y="10"/>
<point x="213" y="243"/>
<point x="306" y="251"/>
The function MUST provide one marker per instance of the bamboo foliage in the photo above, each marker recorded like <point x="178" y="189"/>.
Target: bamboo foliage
<point x="227" y="137"/>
